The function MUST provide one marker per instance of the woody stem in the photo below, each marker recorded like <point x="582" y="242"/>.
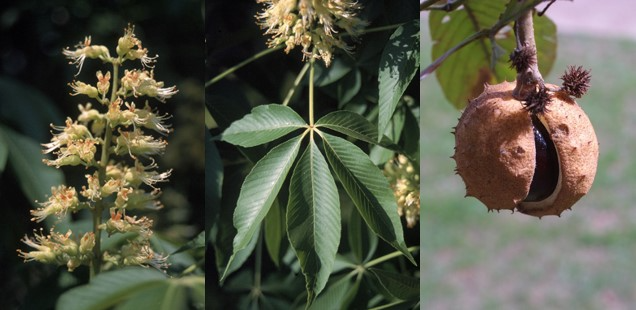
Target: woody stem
<point x="529" y="78"/>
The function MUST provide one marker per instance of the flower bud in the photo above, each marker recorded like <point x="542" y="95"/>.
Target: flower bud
<point x="87" y="243"/>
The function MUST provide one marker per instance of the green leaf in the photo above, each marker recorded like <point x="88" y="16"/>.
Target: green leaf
<point x="213" y="183"/>
<point x="27" y="109"/>
<point x="259" y="190"/>
<point x="25" y="158"/>
<point x="350" y="124"/>
<point x="362" y="241"/>
<point x="411" y="134"/>
<point x="337" y="70"/>
<point x="237" y="259"/>
<point x="399" y="63"/>
<point x="275" y="232"/>
<point x="381" y="154"/>
<point x="334" y="296"/>
<point x="398" y="285"/>
<point x="464" y="73"/>
<point x="4" y="151"/>
<point x="222" y="232"/>
<point x="264" y="124"/>
<point x="197" y="242"/>
<point x="164" y="297"/>
<point x="313" y="219"/>
<point x="368" y="188"/>
<point x="348" y="87"/>
<point x="110" y="288"/>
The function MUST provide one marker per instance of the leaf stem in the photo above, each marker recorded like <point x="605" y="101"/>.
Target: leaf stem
<point x="389" y="256"/>
<point x="299" y="78"/>
<point x="311" y="92"/>
<point x="382" y="28"/>
<point x="258" y="262"/>
<point x="242" y="64"/>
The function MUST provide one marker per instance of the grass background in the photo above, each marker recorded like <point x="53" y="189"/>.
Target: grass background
<point x="472" y="259"/>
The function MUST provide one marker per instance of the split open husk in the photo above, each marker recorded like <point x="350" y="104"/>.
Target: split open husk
<point x="495" y="151"/>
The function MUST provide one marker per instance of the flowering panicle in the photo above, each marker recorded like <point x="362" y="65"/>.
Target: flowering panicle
<point x="313" y="25"/>
<point x="113" y="138"/>
<point x="405" y="182"/>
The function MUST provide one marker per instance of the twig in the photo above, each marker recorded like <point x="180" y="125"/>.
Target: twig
<point x="449" y="6"/>
<point x="529" y="77"/>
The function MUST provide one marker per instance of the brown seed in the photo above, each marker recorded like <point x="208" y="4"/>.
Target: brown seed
<point x="497" y="155"/>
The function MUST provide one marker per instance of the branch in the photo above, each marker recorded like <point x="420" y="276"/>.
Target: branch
<point x="475" y="36"/>
<point x="513" y="12"/>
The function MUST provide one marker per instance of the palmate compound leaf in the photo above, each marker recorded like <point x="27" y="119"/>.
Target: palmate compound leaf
<point x="264" y="124"/>
<point x="313" y="219"/>
<point x="463" y="74"/>
<point x="368" y="188"/>
<point x="260" y="188"/>
<point x="399" y="63"/>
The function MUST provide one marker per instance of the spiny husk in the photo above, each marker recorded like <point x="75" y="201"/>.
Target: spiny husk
<point x="495" y="151"/>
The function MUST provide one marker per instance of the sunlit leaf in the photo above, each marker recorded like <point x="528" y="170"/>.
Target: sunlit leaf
<point x="264" y="124"/>
<point x="399" y="63"/>
<point x="464" y="73"/>
<point x="368" y="189"/>
<point x="259" y="190"/>
<point x="313" y="219"/>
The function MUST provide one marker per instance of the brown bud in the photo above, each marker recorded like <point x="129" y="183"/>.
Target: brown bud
<point x="507" y="162"/>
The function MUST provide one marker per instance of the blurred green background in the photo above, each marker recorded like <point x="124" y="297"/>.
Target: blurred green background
<point x="34" y="93"/>
<point x="473" y="259"/>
